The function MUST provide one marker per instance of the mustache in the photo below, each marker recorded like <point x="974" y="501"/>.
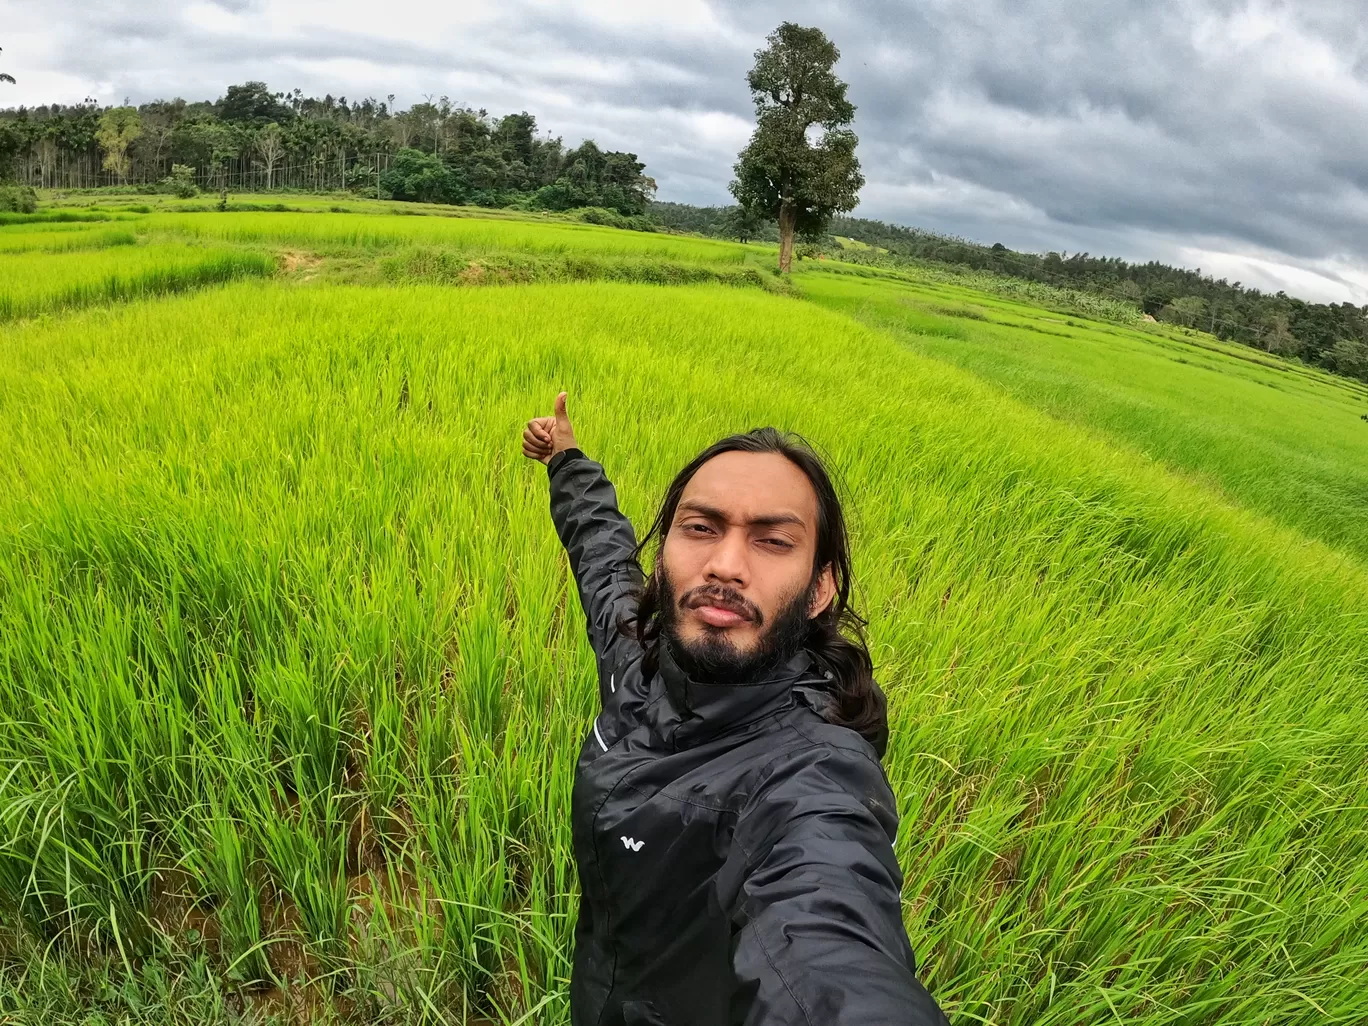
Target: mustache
<point x="723" y="598"/>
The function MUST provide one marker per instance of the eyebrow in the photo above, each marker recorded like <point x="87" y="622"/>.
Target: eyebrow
<point x="767" y="520"/>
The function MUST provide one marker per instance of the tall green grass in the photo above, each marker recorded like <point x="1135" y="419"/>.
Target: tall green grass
<point x="37" y="282"/>
<point x="870" y="264"/>
<point x="55" y="216"/>
<point x="443" y="266"/>
<point x="48" y="228"/>
<point x="1271" y="434"/>
<point x="475" y="236"/>
<point x="83" y="237"/>
<point x="292" y="675"/>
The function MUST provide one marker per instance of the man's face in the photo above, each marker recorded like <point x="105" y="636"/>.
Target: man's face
<point x="736" y="563"/>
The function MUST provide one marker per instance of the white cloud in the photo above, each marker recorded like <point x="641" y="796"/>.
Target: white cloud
<point x="1324" y="281"/>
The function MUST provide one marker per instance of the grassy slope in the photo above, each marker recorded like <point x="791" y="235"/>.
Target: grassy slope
<point x="34" y="282"/>
<point x="475" y="235"/>
<point x="1277" y="437"/>
<point x="175" y="251"/>
<point x="60" y="238"/>
<point x="281" y="610"/>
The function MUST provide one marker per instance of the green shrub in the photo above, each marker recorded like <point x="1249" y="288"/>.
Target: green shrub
<point x="18" y="199"/>
<point x="421" y="177"/>
<point x="815" y="251"/>
<point x="614" y="219"/>
<point x="181" y="181"/>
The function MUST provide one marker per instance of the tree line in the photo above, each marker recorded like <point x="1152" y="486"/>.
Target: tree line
<point x="254" y="139"/>
<point x="1332" y="336"/>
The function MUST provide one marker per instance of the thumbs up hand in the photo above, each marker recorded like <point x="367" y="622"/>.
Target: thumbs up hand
<point x="545" y="436"/>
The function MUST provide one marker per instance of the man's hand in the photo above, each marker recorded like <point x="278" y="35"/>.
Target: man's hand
<point x="545" y="436"/>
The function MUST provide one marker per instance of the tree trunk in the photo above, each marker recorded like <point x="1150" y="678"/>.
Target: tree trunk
<point x="788" y="216"/>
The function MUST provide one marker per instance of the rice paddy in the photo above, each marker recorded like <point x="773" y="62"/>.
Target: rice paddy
<point x="1273" y="435"/>
<point x="467" y="234"/>
<point x="36" y="282"/>
<point x="292" y="675"/>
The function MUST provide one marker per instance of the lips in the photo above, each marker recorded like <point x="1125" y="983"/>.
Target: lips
<point x="719" y="616"/>
<point x="721" y="610"/>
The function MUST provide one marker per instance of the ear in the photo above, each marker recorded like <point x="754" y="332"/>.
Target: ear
<point x="826" y="591"/>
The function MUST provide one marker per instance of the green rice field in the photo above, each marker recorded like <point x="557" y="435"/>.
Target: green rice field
<point x="293" y="675"/>
<point x="60" y="236"/>
<point x="1270" y="434"/>
<point x="469" y="234"/>
<point x="36" y="282"/>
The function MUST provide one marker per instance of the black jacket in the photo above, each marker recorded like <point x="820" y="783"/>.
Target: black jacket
<point x="734" y="849"/>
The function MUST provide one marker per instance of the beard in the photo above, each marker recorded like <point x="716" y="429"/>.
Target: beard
<point x="713" y="658"/>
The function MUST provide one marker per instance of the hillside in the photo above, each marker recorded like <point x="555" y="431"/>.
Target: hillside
<point x="1262" y="432"/>
<point x="1329" y="336"/>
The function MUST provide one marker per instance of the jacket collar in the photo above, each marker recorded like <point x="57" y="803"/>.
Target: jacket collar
<point x="692" y="711"/>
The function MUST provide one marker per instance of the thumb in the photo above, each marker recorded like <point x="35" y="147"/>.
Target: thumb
<point x="562" y="418"/>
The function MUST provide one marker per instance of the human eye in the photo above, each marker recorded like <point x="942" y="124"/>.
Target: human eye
<point x="778" y="544"/>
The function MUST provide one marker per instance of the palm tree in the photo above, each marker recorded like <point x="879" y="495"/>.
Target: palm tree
<point x="6" y="78"/>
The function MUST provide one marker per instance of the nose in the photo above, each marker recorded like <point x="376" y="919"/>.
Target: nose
<point x="727" y="562"/>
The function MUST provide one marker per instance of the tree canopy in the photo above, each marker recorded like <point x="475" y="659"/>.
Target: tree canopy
<point x="253" y="138"/>
<point x="783" y="173"/>
<point x="119" y="128"/>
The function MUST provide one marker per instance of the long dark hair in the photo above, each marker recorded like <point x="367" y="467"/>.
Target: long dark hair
<point x="836" y="638"/>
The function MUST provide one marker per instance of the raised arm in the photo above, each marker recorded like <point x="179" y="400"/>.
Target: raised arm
<point x="818" y="934"/>
<point x="598" y="538"/>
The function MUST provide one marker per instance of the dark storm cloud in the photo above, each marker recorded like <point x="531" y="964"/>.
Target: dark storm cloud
<point x="1167" y="130"/>
<point x="1214" y="124"/>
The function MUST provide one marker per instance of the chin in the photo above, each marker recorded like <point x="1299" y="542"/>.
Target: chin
<point x="738" y="637"/>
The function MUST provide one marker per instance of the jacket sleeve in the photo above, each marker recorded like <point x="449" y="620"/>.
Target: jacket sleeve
<point x="600" y="542"/>
<point x="818" y="936"/>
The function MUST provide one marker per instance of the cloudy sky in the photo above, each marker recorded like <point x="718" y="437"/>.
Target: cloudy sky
<point x="1231" y="136"/>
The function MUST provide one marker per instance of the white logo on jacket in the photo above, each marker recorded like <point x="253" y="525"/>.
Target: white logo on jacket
<point x="632" y="842"/>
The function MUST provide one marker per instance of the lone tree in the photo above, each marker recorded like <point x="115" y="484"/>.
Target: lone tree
<point x="270" y="143"/>
<point x="119" y="128"/>
<point x="783" y="173"/>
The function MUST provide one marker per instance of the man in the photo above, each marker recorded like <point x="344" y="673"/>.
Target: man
<point x="733" y="826"/>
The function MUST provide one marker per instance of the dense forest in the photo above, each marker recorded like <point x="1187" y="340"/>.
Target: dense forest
<point x="1333" y="336"/>
<point x="255" y="139"/>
